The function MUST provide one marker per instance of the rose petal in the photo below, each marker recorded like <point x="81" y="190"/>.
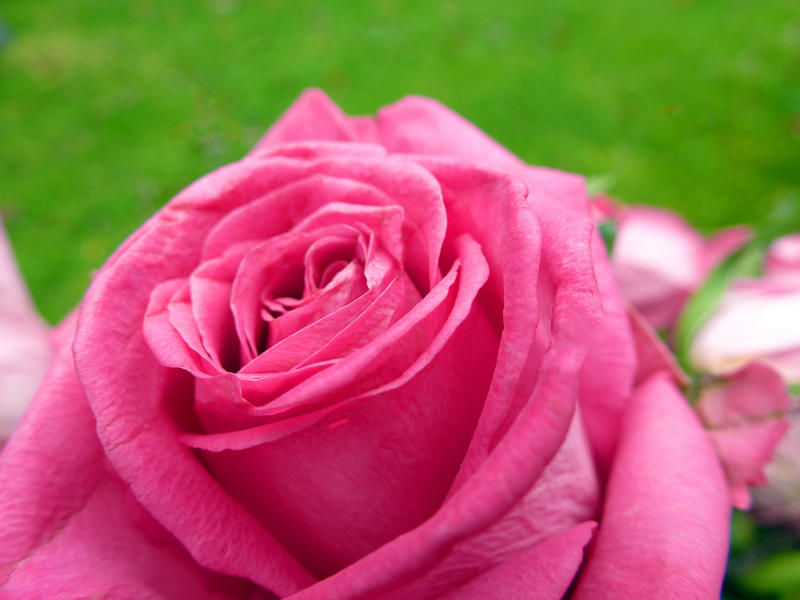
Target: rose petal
<point x="652" y="354"/>
<point x="424" y="126"/>
<point x="607" y="377"/>
<point x="69" y="524"/>
<point x="313" y="116"/>
<point x="756" y="321"/>
<point x="545" y="570"/>
<point x="744" y="452"/>
<point x="657" y="286"/>
<point x="667" y="509"/>
<point x="746" y="415"/>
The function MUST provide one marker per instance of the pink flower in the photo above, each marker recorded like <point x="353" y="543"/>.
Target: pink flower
<point x="659" y="260"/>
<point x="24" y="343"/>
<point x="744" y="416"/>
<point x="377" y="358"/>
<point x="756" y="320"/>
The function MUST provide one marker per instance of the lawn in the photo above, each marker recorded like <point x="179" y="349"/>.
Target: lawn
<point x="107" y="109"/>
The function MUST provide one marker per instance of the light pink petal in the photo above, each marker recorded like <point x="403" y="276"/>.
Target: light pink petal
<point x="755" y="321"/>
<point x="658" y="261"/>
<point x="664" y="529"/>
<point x="783" y="257"/>
<point x="544" y="571"/>
<point x="24" y="343"/>
<point x="71" y="527"/>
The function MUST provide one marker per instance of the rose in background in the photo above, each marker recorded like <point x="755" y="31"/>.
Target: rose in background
<point x="24" y="343"/>
<point x="756" y="322"/>
<point x="376" y="358"/>
<point x="659" y="260"/>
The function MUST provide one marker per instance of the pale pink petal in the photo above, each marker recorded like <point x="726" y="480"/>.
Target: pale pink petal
<point x="663" y="532"/>
<point x="658" y="261"/>
<point x="783" y="257"/>
<point x="25" y="347"/>
<point x="755" y="321"/>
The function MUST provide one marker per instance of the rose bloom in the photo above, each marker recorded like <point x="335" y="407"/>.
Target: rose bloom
<point x="377" y="358"/>
<point x="757" y="322"/>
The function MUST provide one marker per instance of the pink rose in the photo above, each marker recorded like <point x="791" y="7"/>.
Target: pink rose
<point x="757" y="320"/>
<point x="377" y="358"/>
<point x="24" y="343"/>
<point x="659" y="260"/>
<point x="744" y="413"/>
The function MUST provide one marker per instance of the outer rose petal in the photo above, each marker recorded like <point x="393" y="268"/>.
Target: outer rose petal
<point x="745" y="416"/>
<point x="664" y="529"/>
<point x="313" y="116"/>
<point x="24" y="343"/>
<point x="652" y="353"/>
<point x="544" y="571"/>
<point x="71" y="527"/>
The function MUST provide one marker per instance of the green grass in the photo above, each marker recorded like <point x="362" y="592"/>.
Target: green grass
<point x="109" y="108"/>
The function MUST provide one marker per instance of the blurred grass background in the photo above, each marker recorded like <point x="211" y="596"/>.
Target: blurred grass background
<point x="107" y="109"/>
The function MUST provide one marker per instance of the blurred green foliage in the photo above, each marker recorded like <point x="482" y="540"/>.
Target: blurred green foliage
<point x="764" y="562"/>
<point x="109" y="108"/>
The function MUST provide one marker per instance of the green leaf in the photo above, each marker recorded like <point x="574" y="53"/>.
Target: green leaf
<point x="743" y="530"/>
<point x="608" y="231"/>
<point x="777" y="574"/>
